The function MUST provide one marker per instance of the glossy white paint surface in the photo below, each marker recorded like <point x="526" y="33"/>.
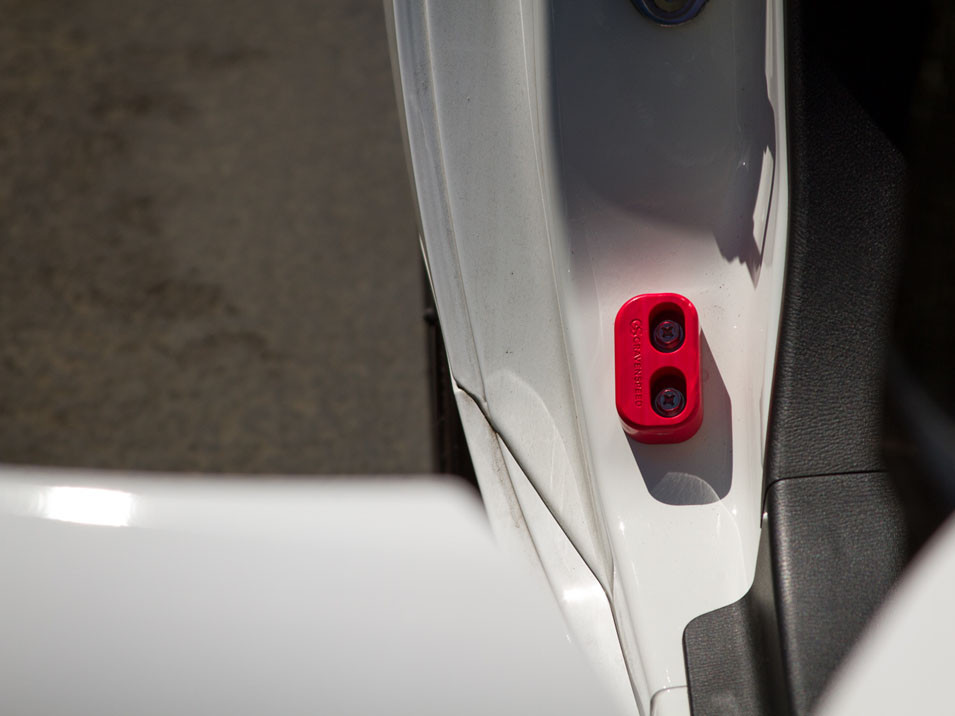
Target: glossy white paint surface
<point x="903" y="662"/>
<point x="671" y="702"/>
<point x="182" y="595"/>
<point x="521" y="522"/>
<point x="566" y="157"/>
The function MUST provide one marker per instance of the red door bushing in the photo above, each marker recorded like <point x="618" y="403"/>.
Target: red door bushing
<point x="657" y="349"/>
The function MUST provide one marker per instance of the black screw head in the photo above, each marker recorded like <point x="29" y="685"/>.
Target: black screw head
<point x="671" y="5"/>
<point x="667" y="336"/>
<point x="669" y="402"/>
<point x="670" y="12"/>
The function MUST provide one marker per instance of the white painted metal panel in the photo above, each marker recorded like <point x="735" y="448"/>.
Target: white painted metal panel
<point x="572" y="155"/>
<point x="136" y="594"/>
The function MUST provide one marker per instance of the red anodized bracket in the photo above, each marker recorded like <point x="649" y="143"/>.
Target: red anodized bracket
<point x="643" y="369"/>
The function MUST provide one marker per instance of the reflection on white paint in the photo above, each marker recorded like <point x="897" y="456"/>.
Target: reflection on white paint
<point x="88" y="506"/>
<point x="763" y="197"/>
<point x="575" y="595"/>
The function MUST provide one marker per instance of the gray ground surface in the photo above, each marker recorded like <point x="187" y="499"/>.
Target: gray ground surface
<point x="208" y="258"/>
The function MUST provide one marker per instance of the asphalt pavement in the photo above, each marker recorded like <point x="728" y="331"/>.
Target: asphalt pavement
<point x="208" y="255"/>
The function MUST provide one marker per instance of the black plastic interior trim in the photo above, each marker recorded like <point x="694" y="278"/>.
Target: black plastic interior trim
<point x="846" y="224"/>
<point x="838" y="532"/>
<point x="838" y="544"/>
<point x="733" y="654"/>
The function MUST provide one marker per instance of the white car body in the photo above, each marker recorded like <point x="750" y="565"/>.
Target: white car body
<point x="565" y="156"/>
<point x="565" y="159"/>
